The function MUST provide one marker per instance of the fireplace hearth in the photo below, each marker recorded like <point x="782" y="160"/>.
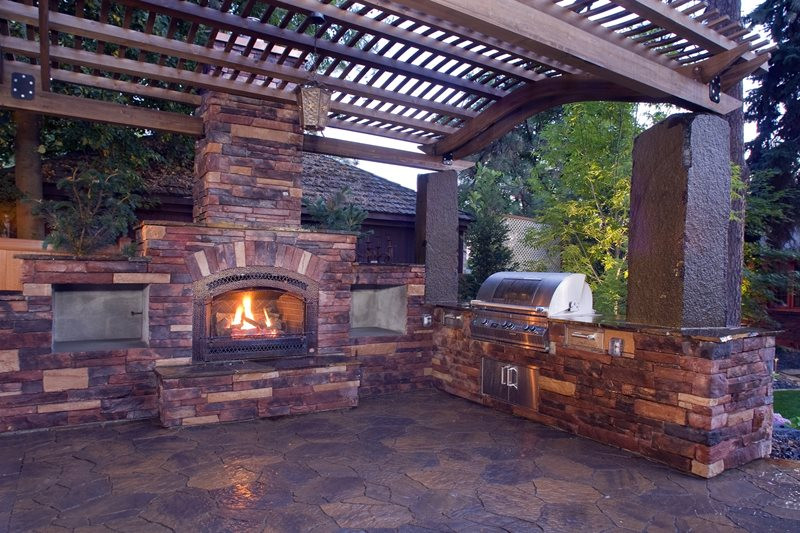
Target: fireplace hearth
<point x="254" y="315"/>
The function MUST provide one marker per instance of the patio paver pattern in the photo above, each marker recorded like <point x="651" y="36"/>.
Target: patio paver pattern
<point x="417" y="461"/>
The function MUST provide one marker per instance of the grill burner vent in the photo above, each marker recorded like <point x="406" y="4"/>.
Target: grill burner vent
<point x="513" y="307"/>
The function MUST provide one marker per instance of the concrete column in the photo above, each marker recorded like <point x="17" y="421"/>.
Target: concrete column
<point x="248" y="165"/>
<point x="680" y="209"/>
<point x="28" y="173"/>
<point x="437" y="235"/>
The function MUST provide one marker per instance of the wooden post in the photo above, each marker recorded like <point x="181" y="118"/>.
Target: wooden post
<point x="28" y="173"/>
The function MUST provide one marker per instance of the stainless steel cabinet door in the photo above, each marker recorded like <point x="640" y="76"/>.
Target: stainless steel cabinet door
<point x="522" y="386"/>
<point x="493" y="379"/>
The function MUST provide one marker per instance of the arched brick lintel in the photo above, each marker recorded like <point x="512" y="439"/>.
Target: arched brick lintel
<point x="244" y="254"/>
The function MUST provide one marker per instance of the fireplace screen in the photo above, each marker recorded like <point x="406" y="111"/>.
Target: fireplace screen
<point x="253" y="323"/>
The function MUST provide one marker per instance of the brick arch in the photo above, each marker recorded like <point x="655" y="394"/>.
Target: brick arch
<point x="244" y="254"/>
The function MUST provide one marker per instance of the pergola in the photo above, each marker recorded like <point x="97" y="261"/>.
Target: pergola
<point x="449" y="75"/>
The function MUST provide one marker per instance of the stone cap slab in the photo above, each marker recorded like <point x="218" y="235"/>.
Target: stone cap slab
<point x="248" y="367"/>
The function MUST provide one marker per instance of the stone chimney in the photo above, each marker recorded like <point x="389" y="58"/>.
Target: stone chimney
<point x="248" y="165"/>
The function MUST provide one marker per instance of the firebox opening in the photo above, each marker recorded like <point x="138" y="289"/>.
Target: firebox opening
<point x="255" y="323"/>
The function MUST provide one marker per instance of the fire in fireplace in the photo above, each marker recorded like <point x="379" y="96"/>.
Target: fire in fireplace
<point x="256" y="313"/>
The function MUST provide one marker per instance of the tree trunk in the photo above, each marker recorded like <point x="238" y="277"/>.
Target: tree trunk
<point x="733" y="9"/>
<point x="28" y="174"/>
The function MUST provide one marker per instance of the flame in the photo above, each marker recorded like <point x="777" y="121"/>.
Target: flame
<point x="268" y="322"/>
<point x="246" y="309"/>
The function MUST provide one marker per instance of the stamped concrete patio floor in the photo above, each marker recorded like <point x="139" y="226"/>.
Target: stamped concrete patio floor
<point x="416" y="461"/>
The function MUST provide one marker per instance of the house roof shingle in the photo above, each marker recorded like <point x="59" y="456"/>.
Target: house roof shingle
<point x="322" y="175"/>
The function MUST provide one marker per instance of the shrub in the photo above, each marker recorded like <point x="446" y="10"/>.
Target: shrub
<point x="99" y="209"/>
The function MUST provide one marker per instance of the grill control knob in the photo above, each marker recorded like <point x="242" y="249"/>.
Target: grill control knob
<point x="485" y="321"/>
<point x="494" y="324"/>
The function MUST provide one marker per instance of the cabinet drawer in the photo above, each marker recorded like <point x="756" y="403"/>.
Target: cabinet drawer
<point x="591" y="338"/>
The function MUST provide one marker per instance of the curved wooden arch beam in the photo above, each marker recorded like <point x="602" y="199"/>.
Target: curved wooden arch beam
<point x="523" y="103"/>
<point x="552" y="96"/>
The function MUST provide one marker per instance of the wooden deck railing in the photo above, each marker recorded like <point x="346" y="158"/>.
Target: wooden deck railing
<point x="11" y="268"/>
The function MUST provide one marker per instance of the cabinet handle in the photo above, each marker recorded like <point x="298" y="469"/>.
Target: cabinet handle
<point x="503" y="375"/>
<point x="515" y="381"/>
<point x="590" y="336"/>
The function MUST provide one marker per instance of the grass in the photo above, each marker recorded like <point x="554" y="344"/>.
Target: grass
<point x="787" y="403"/>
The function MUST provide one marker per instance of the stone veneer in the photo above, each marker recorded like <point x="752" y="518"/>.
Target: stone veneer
<point x="697" y="404"/>
<point x="39" y="388"/>
<point x="396" y="363"/>
<point x="248" y="163"/>
<point x="220" y="393"/>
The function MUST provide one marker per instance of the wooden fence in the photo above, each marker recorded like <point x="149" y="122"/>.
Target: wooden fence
<point x="11" y="268"/>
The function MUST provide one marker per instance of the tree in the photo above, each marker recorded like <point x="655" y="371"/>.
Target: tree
<point x="514" y="155"/>
<point x="487" y="234"/>
<point x="583" y="180"/>
<point x="774" y="105"/>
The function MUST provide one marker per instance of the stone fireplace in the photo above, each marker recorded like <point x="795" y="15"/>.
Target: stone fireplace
<point x="253" y="314"/>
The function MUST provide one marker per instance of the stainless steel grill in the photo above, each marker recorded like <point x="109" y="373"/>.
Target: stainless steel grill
<point x="514" y="307"/>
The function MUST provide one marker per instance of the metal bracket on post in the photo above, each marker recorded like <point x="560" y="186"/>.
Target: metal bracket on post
<point x="447" y="159"/>
<point x="714" y="89"/>
<point x="23" y="86"/>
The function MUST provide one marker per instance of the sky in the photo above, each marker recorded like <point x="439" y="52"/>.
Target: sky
<point x="407" y="176"/>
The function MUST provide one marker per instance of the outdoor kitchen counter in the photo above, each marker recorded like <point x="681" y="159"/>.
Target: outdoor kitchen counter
<point x="699" y="400"/>
<point x="701" y="334"/>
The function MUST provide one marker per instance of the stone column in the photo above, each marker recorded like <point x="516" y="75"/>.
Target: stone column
<point x="437" y="235"/>
<point x="248" y="165"/>
<point x="680" y="208"/>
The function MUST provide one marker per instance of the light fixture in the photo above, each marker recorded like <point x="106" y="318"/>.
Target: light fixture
<point x="313" y="98"/>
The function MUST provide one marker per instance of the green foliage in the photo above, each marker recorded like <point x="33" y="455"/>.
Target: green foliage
<point x="487" y="235"/>
<point x="787" y="404"/>
<point x="99" y="208"/>
<point x="768" y="274"/>
<point x="336" y="211"/>
<point x="583" y="181"/>
<point x="514" y="155"/>
<point x="774" y="105"/>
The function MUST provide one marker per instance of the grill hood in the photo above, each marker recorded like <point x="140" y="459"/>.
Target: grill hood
<point x="544" y="293"/>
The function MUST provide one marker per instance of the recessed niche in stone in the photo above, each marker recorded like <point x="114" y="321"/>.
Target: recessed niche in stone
<point x="378" y="310"/>
<point x="99" y="317"/>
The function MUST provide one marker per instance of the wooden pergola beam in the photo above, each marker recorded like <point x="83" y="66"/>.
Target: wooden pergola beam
<point x="379" y="154"/>
<point x="201" y="54"/>
<point x="204" y="81"/>
<point x="682" y="25"/>
<point x="422" y="17"/>
<point x="398" y="35"/>
<point x="109" y="84"/>
<point x="532" y="27"/>
<point x="59" y="105"/>
<point x="240" y="25"/>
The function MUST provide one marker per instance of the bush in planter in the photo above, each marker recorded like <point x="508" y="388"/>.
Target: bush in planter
<point x="99" y="209"/>
<point x="336" y="212"/>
